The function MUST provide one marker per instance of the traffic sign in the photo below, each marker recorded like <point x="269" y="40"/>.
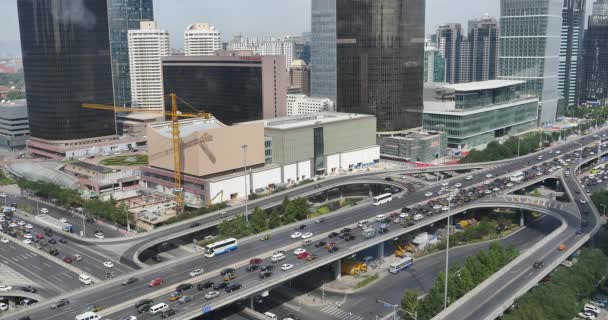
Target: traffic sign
<point x="206" y="309"/>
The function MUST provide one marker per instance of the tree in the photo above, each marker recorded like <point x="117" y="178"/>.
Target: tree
<point x="274" y="221"/>
<point x="258" y="220"/>
<point x="409" y="301"/>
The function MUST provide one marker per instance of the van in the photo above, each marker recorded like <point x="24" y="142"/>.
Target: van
<point x="277" y="257"/>
<point x="85" y="279"/>
<point x="271" y="315"/>
<point x="380" y="217"/>
<point x="363" y="223"/>
<point x="88" y="316"/>
<point x="158" y="308"/>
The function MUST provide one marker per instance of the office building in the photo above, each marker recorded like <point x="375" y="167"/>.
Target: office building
<point x="414" y="145"/>
<point x="483" y="46"/>
<point x="201" y="39"/>
<point x="241" y="43"/>
<point x="299" y="77"/>
<point x="124" y="15"/>
<point x="529" y="49"/>
<point x="278" y="47"/>
<point x="573" y="25"/>
<point x="234" y="88"/>
<point x="67" y="62"/>
<point x="449" y="42"/>
<point x="146" y="47"/>
<point x="594" y="74"/>
<point x="476" y="113"/>
<point x="367" y="56"/>
<point x="434" y="65"/>
<point x="299" y="104"/>
<point x="14" y="127"/>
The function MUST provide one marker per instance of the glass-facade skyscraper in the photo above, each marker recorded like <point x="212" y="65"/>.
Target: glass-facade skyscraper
<point x="594" y="74"/>
<point x="124" y="15"/>
<point x="66" y="60"/>
<point x="530" y="33"/>
<point x="369" y="55"/>
<point x="573" y="25"/>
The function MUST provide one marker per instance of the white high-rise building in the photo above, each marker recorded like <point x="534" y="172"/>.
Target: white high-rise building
<point x="278" y="47"/>
<point x="201" y="39"/>
<point x="299" y="104"/>
<point x="146" y="47"/>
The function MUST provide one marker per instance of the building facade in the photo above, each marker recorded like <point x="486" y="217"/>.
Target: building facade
<point x="594" y="74"/>
<point x="434" y="65"/>
<point x="529" y="49"/>
<point x="14" y="127"/>
<point x="483" y="42"/>
<point x="299" y="104"/>
<point x="202" y="39"/>
<point x="475" y="114"/>
<point x="234" y="88"/>
<point x="278" y="47"/>
<point x="367" y="56"/>
<point x="146" y="47"/>
<point x="67" y="62"/>
<point x="449" y="42"/>
<point x="413" y="145"/>
<point x="573" y="25"/>
<point x="124" y="15"/>
<point x="299" y="77"/>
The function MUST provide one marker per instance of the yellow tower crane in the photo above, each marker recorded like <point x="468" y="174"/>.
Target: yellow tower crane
<point x="175" y="115"/>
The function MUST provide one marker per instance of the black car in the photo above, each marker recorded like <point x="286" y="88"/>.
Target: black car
<point x="227" y="271"/>
<point x="203" y="286"/>
<point x="194" y="225"/>
<point x="267" y="268"/>
<point x="60" y="303"/>
<point x="29" y="289"/>
<point x="144" y="308"/>
<point x="52" y="241"/>
<point x="346" y="230"/>
<point x="183" y="287"/>
<point x="220" y="286"/>
<point x="233" y="287"/>
<point x="320" y="244"/>
<point x="538" y="264"/>
<point x="252" y="267"/>
<point x="157" y="258"/>
<point x="301" y="227"/>
<point x="333" y="249"/>
<point x="90" y="220"/>
<point x="265" y="274"/>
<point x="349" y="237"/>
<point x="62" y="240"/>
<point x="168" y="313"/>
<point x="129" y="281"/>
<point x="143" y="302"/>
<point x="333" y="234"/>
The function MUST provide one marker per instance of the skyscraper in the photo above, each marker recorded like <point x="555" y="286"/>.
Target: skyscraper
<point x="594" y="74"/>
<point x="124" y="15"/>
<point x="529" y="49"/>
<point x="146" y="47"/>
<point x="434" y="65"/>
<point x="573" y="25"/>
<point x="369" y="54"/>
<point x="201" y="39"/>
<point x="483" y="41"/>
<point x="66" y="59"/>
<point x="449" y="41"/>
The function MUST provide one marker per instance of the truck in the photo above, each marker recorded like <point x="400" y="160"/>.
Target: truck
<point x="352" y="267"/>
<point x="369" y="233"/>
<point x="463" y="224"/>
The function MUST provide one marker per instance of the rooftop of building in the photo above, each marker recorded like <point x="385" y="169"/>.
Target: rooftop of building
<point x="482" y="85"/>
<point x="298" y="63"/>
<point x="13" y="109"/>
<point x="309" y="120"/>
<point x="187" y="127"/>
<point x="411" y="134"/>
<point x="91" y="166"/>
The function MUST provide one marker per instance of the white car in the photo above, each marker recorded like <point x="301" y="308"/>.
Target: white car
<point x="558" y="152"/>
<point x="404" y="215"/>
<point x="29" y="226"/>
<point x="286" y="266"/>
<point x="489" y="175"/>
<point x="196" y="272"/>
<point x="437" y="207"/>
<point x="458" y="185"/>
<point x="583" y="201"/>
<point x="4" y="240"/>
<point x="586" y="315"/>
<point x="469" y="178"/>
<point x="27" y="235"/>
<point x="488" y="191"/>
<point x="487" y="182"/>
<point x="307" y="235"/>
<point x="509" y="185"/>
<point x="64" y="220"/>
<point x="446" y="208"/>
<point x="418" y="217"/>
<point x="428" y="194"/>
<point x="5" y="288"/>
<point x="21" y="223"/>
<point x="99" y="235"/>
<point x="211" y="294"/>
<point x="13" y="225"/>
<point x="296" y="235"/>
<point x="3" y="307"/>
<point x="496" y="189"/>
<point x="44" y="210"/>
<point x="445" y="184"/>
<point x="108" y="264"/>
<point x="298" y="251"/>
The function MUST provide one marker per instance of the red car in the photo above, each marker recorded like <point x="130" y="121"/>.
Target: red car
<point x="40" y="236"/>
<point x="303" y="255"/>
<point x="156" y="282"/>
<point x="255" y="261"/>
<point x="67" y="260"/>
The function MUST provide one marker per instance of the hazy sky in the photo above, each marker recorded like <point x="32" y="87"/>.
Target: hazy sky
<point x="253" y="17"/>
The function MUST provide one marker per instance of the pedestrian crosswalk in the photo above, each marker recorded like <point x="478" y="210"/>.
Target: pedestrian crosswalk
<point x="337" y="313"/>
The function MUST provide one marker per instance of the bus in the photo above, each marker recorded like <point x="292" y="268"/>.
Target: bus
<point x="517" y="176"/>
<point x="220" y="247"/>
<point x="401" y="265"/>
<point x="382" y="199"/>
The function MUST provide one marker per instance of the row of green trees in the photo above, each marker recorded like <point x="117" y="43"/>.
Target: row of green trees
<point x="600" y="200"/>
<point x="461" y="279"/>
<point x="262" y="220"/>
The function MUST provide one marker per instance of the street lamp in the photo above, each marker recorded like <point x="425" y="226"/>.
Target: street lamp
<point x="244" y="147"/>
<point x="447" y="251"/>
<point x="603" y="206"/>
<point x="518" y="142"/>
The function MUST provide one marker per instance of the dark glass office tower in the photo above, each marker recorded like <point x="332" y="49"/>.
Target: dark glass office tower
<point x="594" y="72"/>
<point x="125" y="15"/>
<point x="379" y="58"/>
<point x="66" y="59"/>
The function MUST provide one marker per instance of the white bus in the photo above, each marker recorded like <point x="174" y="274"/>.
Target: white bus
<point x="220" y="247"/>
<point x="401" y="265"/>
<point x="382" y="199"/>
<point x="517" y="176"/>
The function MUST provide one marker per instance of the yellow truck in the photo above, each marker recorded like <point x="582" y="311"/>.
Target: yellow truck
<point x="353" y="267"/>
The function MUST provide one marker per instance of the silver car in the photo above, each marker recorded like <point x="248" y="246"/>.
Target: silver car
<point x="185" y="299"/>
<point x="211" y="294"/>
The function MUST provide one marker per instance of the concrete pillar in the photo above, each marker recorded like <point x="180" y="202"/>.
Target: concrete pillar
<point x="337" y="269"/>
<point x="381" y="252"/>
<point x="251" y="303"/>
<point x="521" y="218"/>
<point x="11" y="303"/>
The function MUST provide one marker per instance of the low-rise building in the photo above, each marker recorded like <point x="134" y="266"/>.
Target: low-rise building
<point x="476" y="113"/>
<point x="299" y="104"/>
<point x="14" y="125"/>
<point x="413" y="145"/>
<point x="134" y="124"/>
<point x="100" y="179"/>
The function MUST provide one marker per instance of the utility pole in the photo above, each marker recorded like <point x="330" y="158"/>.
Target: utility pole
<point x="244" y="147"/>
<point x="518" y="142"/>
<point x="447" y="252"/>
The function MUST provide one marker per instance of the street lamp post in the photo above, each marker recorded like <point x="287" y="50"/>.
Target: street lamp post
<point x="518" y="142"/>
<point x="447" y="252"/>
<point x="244" y="147"/>
<point x="604" y="207"/>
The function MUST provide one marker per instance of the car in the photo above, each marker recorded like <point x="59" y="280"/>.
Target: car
<point x="194" y="225"/>
<point x="319" y="220"/>
<point x="320" y="244"/>
<point x="265" y="274"/>
<point x="4" y="240"/>
<point x="230" y="276"/>
<point x="108" y="264"/>
<point x="168" y="313"/>
<point x="175" y="295"/>
<point x="307" y="235"/>
<point x="62" y="240"/>
<point x="311" y="257"/>
<point x="468" y="178"/>
<point x="298" y="251"/>
<point x="29" y="289"/>
<point x="301" y="227"/>
<point x="211" y="294"/>
<point x="67" y="260"/>
<point x="196" y="272"/>
<point x="29" y="226"/>
<point x="296" y="235"/>
<point x="332" y="235"/>
<point x="266" y="237"/>
<point x="99" y="235"/>
<point x="286" y="266"/>
<point x="458" y="185"/>
<point x="185" y="299"/>
<point x="39" y="236"/>
<point x="130" y="318"/>
<point x="445" y="183"/>
<point x="586" y="315"/>
<point x="44" y="210"/>
<point x="129" y="281"/>
<point x="3" y="306"/>
<point x="64" y="220"/>
<point x="582" y="201"/>
<point x="227" y="271"/>
<point x="220" y="286"/>
<point x="143" y="302"/>
<point x="204" y="285"/>
<point x="255" y="261"/>
<point x="27" y="241"/>
<point x="303" y="255"/>
<point x="233" y="287"/>
<point x="489" y="175"/>
<point x="183" y="287"/>
<point x="333" y="249"/>
<point x="27" y="236"/>
<point x="428" y="194"/>
<point x="156" y="282"/>
<point x="538" y="264"/>
<point x="60" y="303"/>
<point x="267" y="268"/>
<point x="4" y="288"/>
